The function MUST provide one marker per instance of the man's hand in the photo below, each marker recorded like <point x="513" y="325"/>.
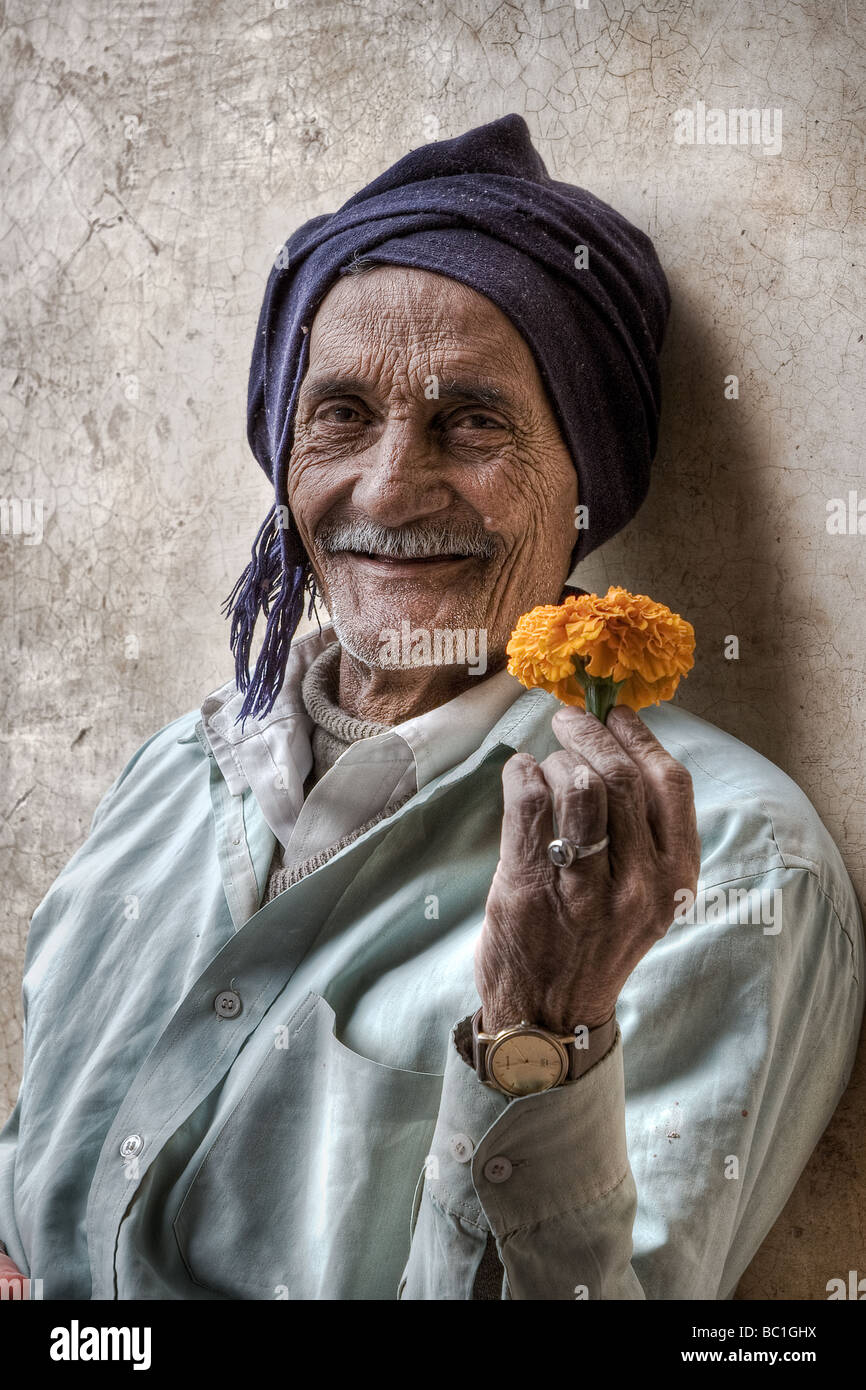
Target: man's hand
<point x="11" y="1275"/>
<point x="558" y="944"/>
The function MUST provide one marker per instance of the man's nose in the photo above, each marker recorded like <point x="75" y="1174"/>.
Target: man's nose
<point x="401" y="476"/>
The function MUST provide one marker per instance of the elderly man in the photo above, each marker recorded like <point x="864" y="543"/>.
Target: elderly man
<point x="313" y="1014"/>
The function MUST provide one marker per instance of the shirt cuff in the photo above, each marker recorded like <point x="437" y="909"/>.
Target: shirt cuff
<point x="503" y="1163"/>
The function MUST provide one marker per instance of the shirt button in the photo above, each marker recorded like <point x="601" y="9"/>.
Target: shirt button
<point x="497" y="1169"/>
<point x="227" y="1004"/>
<point x="132" y="1145"/>
<point x="460" y="1146"/>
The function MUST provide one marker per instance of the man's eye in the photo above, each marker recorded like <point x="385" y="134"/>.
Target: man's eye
<point x="338" y="414"/>
<point x="477" y="421"/>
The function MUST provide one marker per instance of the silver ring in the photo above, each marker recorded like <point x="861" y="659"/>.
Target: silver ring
<point x="563" y="853"/>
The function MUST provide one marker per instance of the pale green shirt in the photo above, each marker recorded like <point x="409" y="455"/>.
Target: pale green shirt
<point x="226" y="1101"/>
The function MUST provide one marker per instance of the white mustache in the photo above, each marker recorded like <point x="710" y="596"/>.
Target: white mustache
<point x="417" y="542"/>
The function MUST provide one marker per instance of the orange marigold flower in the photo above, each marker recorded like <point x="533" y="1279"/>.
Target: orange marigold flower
<point x="596" y="652"/>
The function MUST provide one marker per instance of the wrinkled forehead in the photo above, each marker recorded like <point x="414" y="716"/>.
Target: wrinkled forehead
<point x="402" y="320"/>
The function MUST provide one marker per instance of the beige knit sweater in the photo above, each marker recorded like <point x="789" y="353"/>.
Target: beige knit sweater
<point x="334" y="731"/>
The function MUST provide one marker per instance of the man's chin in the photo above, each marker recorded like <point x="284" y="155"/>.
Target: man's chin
<point x="405" y="642"/>
<point x="358" y="642"/>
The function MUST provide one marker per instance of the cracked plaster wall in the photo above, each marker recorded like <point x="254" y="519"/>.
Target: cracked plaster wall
<point x="154" y="156"/>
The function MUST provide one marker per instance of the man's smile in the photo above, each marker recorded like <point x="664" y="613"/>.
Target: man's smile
<point x="395" y="565"/>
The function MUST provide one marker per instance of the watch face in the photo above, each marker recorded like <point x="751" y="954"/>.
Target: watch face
<point x="525" y="1063"/>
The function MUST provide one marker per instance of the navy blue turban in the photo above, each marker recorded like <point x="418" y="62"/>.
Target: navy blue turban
<point x="483" y="210"/>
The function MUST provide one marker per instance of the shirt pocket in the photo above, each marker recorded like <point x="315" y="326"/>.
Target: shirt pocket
<point x="307" y="1190"/>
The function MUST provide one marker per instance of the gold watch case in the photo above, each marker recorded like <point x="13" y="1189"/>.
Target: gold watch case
<point x="524" y="1060"/>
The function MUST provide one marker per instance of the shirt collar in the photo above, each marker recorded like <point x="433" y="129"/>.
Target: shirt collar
<point x="448" y="734"/>
<point x="285" y="731"/>
<point x="438" y="740"/>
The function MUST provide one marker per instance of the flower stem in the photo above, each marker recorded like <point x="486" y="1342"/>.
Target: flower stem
<point x="600" y="692"/>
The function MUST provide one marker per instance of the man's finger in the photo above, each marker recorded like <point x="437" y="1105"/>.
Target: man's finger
<point x="527" y="822"/>
<point x="586" y="737"/>
<point x="580" y="808"/>
<point x="669" y="790"/>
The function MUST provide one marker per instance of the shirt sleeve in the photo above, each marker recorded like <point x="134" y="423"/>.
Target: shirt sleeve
<point x="752" y="1027"/>
<point x="10" y="1239"/>
<point x="548" y="1175"/>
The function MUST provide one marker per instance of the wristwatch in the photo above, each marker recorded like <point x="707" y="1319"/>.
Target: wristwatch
<point x="525" y="1059"/>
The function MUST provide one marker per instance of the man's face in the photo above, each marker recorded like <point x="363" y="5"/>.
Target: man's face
<point x="450" y="511"/>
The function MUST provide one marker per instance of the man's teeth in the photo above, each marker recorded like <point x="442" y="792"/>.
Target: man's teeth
<point x="402" y="559"/>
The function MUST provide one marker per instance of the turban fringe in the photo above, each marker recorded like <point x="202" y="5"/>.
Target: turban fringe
<point x="480" y="209"/>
